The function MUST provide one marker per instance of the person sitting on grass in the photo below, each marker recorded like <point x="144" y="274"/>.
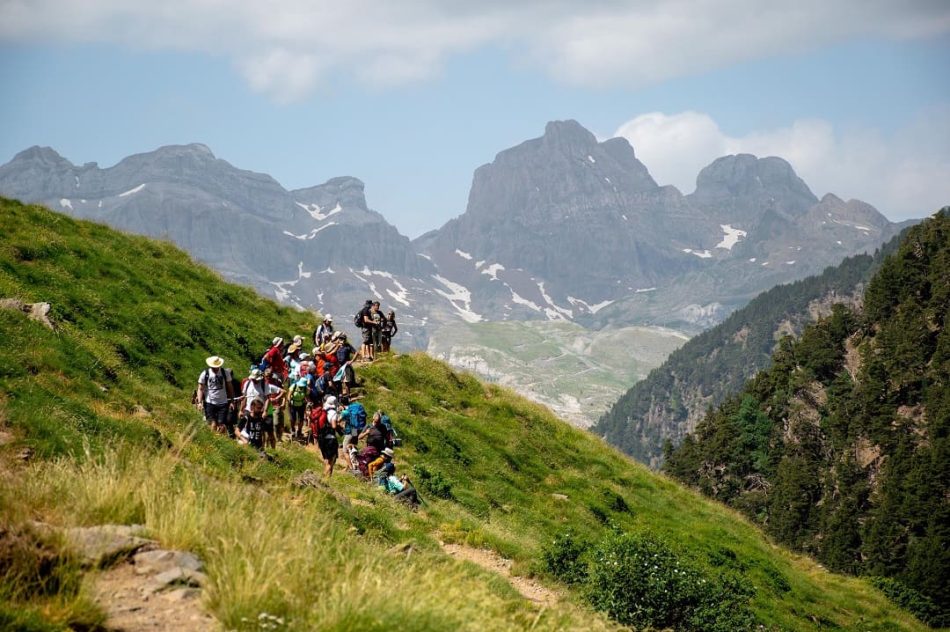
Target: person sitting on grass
<point x="374" y="467"/>
<point x="401" y="488"/>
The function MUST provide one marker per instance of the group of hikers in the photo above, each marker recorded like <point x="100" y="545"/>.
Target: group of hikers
<point x="316" y="392"/>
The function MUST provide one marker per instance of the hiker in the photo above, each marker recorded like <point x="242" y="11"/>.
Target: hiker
<point x="389" y="330"/>
<point x="377" y="317"/>
<point x="401" y="488"/>
<point x="374" y="466"/>
<point x="325" y="428"/>
<point x="254" y="424"/>
<point x="376" y="434"/>
<point x="364" y="321"/>
<point x="255" y="387"/>
<point x="297" y="398"/>
<point x="345" y="354"/>
<point x="216" y="394"/>
<point x="275" y="409"/>
<point x="354" y="422"/>
<point x="323" y="333"/>
<point x="274" y="358"/>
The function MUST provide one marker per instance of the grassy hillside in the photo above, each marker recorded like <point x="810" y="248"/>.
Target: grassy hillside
<point x="577" y="372"/>
<point x="103" y="401"/>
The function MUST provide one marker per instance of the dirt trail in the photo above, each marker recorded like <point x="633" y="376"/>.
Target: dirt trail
<point x="130" y="604"/>
<point x="489" y="560"/>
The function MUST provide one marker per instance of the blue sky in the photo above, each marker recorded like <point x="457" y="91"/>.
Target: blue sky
<point x="864" y="115"/>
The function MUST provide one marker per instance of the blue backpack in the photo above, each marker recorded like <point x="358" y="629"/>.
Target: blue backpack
<point x="355" y="416"/>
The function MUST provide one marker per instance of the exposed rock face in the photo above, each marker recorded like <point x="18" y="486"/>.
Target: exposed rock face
<point x="299" y="246"/>
<point x="564" y="226"/>
<point x="559" y="227"/>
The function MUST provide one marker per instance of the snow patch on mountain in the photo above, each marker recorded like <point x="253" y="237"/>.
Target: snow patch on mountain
<point x="65" y="203"/>
<point x="593" y="309"/>
<point x="463" y="254"/>
<point x="731" y="236"/>
<point x="702" y="254"/>
<point x="316" y="212"/>
<point x="132" y="190"/>
<point x="459" y="297"/>
<point x="312" y="233"/>
<point x="492" y="270"/>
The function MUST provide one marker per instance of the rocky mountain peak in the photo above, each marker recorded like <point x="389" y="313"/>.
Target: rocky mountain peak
<point x="747" y="186"/>
<point x="44" y="155"/>
<point x="568" y="132"/>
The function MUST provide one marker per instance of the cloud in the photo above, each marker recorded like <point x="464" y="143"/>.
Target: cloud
<point x="286" y="47"/>
<point x="904" y="174"/>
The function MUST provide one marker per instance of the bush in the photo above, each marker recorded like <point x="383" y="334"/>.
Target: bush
<point x="909" y="599"/>
<point x="639" y="581"/>
<point x="433" y="482"/>
<point x="564" y="558"/>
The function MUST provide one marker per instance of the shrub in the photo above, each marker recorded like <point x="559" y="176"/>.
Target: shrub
<point x="433" y="482"/>
<point x="909" y="599"/>
<point x="565" y="558"/>
<point x="639" y="581"/>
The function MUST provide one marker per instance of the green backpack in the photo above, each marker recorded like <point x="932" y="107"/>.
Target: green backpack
<point x="298" y="395"/>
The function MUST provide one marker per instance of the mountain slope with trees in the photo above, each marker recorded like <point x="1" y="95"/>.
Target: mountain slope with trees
<point x="842" y="448"/>
<point x="718" y="362"/>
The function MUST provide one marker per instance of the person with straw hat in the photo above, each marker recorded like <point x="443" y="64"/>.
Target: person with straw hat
<point x="216" y="393"/>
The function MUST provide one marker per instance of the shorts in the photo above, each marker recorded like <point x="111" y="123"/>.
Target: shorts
<point x="328" y="446"/>
<point x="367" y="335"/>
<point x="298" y="413"/>
<point x="218" y="414"/>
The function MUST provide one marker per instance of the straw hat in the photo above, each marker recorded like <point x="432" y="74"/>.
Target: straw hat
<point x="215" y="362"/>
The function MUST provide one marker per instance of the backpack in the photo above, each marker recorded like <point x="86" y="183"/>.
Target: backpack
<point x="355" y="417"/>
<point x="318" y="418"/>
<point x="298" y="395"/>
<point x="229" y="383"/>
<point x="358" y="319"/>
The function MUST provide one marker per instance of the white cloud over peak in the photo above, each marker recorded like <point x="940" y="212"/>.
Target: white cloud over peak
<point x="285" y="47"/>
<point x="904" y="174"/>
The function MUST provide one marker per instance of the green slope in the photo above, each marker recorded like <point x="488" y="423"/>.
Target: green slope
<point x="103" y="401"/>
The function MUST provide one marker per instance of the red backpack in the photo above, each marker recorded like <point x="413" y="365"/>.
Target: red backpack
<point x="318" y="419"/>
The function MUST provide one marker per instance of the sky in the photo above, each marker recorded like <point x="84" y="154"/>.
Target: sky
<point x="412" y="97"/>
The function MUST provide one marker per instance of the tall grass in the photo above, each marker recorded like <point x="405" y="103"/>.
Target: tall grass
<point x="282" y="551"/>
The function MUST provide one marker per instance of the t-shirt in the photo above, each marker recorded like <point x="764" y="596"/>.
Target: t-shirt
<point x="254" y="389"/>
<point x="215" y="382"/>
<point x="392" y="484"/>
<point x="376" y="438"/>
<point x="255" y="431"/>
<point x="366" y="312"/>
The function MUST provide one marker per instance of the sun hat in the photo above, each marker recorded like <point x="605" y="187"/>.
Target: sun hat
<point x="277" y="341"/>
<point x="389" y="452"/>
<point x="336" y="335"/>
<point x="293" y="347"/>
<point x="214" y="362"/>
<point x="255" y="374"/>
<point x="304" y="355"/>
<point x="329" y="402"/>
<point x="298" y="340"/>
<point x="328" y="318"/>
